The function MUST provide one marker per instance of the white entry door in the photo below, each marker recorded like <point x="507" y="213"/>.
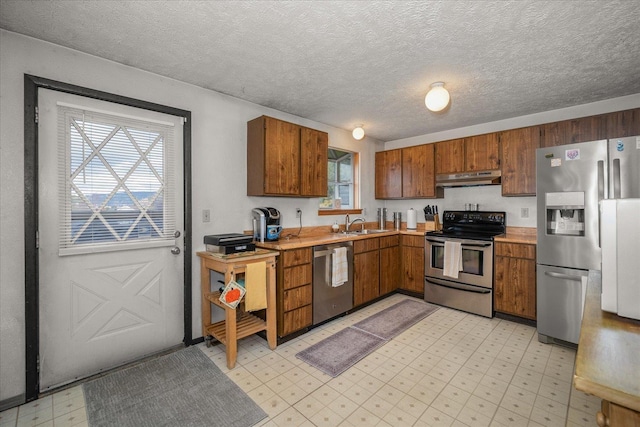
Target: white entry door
<point x="110" y="200"/>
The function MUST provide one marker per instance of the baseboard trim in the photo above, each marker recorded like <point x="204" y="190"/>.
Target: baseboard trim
<point x="12" y="402"/>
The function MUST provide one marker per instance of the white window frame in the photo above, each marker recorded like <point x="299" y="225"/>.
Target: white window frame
<point x="68" y="245"/>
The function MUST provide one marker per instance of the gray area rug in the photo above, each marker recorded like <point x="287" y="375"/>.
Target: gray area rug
<point x="184" y="388"/>
<point x="393" y="320"/>
<point x="340" y="351"/>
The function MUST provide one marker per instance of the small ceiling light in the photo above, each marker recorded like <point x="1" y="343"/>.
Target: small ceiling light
<point x="358" y="133"/>
<point x="438" y="97"/>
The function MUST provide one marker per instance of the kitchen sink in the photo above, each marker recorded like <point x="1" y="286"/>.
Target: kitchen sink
<point x="367" y="231"/>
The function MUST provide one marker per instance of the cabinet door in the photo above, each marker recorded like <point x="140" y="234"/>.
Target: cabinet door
<point x="450" y="156"/>
<point x="366" y="277"/>
<point x="623" y="123"/>
<point x="389" y="269"/>
<point x="515" y="279"/>
<point x="518" y="147"/>
<point x="295" y="320"/>
<point x="282" y="157"/>
<point x="481" y="153"/>
<point x="388" y="174"/>
<point x="314" y="146"/>
<point x="418" y="176"/>
<point x="571" y="131"/>
<point x="413" y="269"/>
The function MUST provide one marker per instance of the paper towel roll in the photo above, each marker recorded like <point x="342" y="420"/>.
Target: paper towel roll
<point x="411" y="219"/>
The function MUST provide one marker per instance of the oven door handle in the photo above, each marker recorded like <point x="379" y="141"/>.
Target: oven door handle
<point x="474" y="245"/>
<point x="435" y="241"/>
<point x="477" y="245"/>
<point x="461" y="287"/>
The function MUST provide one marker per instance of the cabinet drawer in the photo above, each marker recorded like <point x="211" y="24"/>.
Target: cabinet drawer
<point x="366" y="245"/>
<point x="414" y="241"/>
<point x="295" y="320"/>
<point x="297" y="297"/>
<point x="296" y="257"/>
<point x="297" y="276"/>
<point x="516" y="250"/>
<point x="388" y="241"/>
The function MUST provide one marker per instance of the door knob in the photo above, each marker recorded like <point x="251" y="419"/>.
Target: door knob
<point x="175" y="250"/>
<point x="176" y="234"/>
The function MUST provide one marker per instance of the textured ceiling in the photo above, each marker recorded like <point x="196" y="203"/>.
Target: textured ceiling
<point x="346" y="63"/>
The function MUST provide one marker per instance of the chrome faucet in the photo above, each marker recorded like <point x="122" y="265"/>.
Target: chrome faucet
<point x="349" y="224"/>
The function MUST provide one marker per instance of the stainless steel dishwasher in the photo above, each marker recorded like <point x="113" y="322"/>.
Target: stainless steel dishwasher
<point x="329" y="300"/>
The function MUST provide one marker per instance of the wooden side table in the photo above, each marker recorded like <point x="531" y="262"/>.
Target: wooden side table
<point x="236" y="324"/>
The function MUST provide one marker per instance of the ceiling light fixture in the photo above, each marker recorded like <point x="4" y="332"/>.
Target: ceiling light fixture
<point x="358" y="133"/>
<point x="437" y="98"/>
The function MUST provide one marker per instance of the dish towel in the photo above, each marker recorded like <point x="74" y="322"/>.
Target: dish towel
<point x="452" y="259"/>
<point x="256" y="285"/>
<point x="340" y="267"/>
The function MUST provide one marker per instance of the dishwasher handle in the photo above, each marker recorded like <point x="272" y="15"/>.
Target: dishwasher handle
<point x="320" y="254"/>
<point x="563" y="276"/>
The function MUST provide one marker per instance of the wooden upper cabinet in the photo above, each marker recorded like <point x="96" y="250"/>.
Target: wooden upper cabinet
<point x="406" y="173"/>
<point x="284" y="159"/>
<point x="476" y="153"/>
<point x="418" y="176"/>
<point x="571" y="131"/>
<point x="518" y="154"/>
<point x="623" y="123"/>
<point x="314" y="147"/>
<point x="482" y="153"/>
<point x="449" y="156"/>
<point x="388" y="174"/>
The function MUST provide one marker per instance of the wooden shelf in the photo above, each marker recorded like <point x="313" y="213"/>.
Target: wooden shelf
<point x="246" y="325"/>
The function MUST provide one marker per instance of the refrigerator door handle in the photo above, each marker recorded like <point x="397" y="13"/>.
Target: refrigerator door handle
<point x="616" y="178"/>
<point x="563" y="276"/>
<point x="600" y="197"/>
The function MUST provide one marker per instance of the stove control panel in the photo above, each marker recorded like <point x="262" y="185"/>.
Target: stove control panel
<point x="474" y="217"/>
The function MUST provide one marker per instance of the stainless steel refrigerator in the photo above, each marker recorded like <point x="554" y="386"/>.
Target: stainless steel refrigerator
<point x="571" y="181"/>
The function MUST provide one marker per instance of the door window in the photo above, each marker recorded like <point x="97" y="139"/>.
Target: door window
<point x="116" y="182"/>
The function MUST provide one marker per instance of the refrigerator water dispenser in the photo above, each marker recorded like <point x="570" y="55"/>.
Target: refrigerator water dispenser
<point x="565" y="213"/>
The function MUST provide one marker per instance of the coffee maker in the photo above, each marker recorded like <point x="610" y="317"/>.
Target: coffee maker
<point x="266" y="224"/>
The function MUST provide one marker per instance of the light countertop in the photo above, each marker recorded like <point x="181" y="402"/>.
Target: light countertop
<point x="608" y="358"/>
<point x="525" y="235"/>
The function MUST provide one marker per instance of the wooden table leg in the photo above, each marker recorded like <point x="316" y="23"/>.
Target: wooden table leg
<point x="271" y="307"/>
<point x="232" y="340"/>
<point x="204" y="303"/>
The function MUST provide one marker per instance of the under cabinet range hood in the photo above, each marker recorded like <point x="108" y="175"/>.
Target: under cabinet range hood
<point x="468" y="179"/>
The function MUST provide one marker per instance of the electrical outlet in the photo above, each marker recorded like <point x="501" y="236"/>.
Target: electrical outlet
<point x="298" y="213"/>
<point x="206" y="215"/>
<point x="524" y="212"/>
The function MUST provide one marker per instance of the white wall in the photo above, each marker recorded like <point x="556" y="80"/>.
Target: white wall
<point x="219" y="167"/>
<point x="489" y="197"/>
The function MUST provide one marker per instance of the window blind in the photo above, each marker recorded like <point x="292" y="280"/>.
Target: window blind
<point x="116" y="182"/>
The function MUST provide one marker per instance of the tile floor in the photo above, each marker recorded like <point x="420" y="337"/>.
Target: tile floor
<point x="450" y="369"/>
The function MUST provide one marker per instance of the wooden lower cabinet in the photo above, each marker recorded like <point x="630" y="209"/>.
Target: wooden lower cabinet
<point x="389" y="264"/>
<point x="366" y="270"/>
<point x="412" y="251"/>
<point x="294" y="292"/>
<point x="515" y="279"/>
<point x="616" y="415"/>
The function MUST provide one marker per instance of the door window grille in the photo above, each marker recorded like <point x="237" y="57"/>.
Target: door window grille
<point x="116" y="181"/>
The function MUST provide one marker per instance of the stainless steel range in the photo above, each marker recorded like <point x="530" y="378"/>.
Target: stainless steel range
<point x="459" y="260"/>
